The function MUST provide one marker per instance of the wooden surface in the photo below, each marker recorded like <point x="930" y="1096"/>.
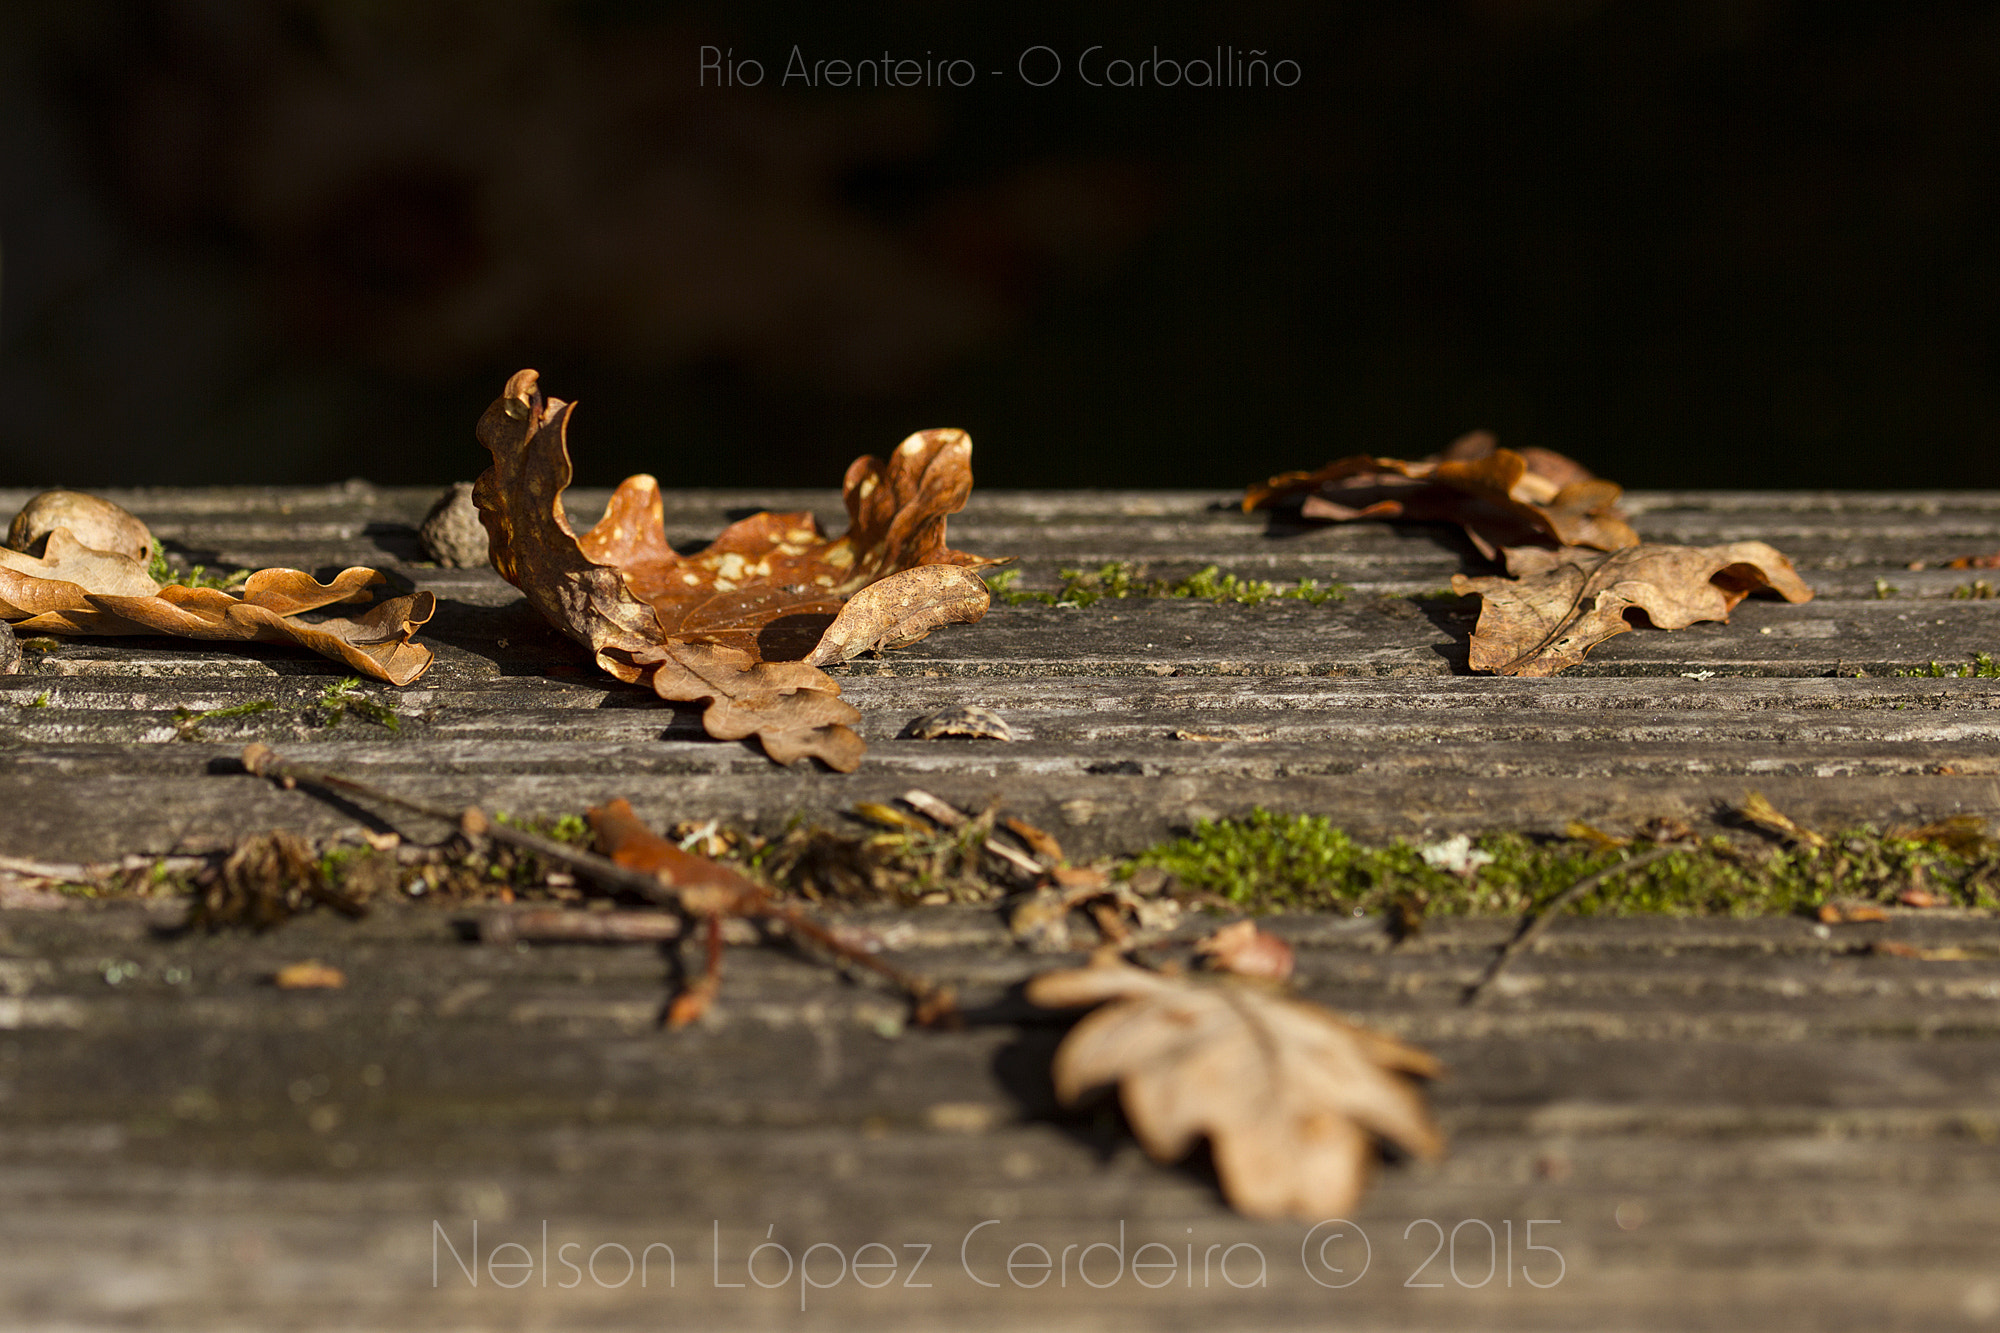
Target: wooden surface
<point x="1733" y="1124"/>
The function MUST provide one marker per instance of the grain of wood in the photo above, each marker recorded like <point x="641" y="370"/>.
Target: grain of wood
<point x="1735" y="1123"/>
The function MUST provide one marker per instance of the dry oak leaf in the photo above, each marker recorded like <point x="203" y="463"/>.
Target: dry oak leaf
<point x="1290" y="1097"/>
<point x="1534" y="497"/>
<point x="731" y="623"/>
<point x="1560" y="604"/>
<point x="1248" y="952"/>
<point x="73" y="589"/>
<point x="704" y="886"/>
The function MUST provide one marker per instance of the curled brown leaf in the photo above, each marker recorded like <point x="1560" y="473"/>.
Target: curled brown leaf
<point x="901" y="609"/>
<point x="1533" y="497"/>
<point x="704" y="886"/>
<point x="75" y="589"/>
<point x="93" y="522"/>
<point x="770" y="592"/>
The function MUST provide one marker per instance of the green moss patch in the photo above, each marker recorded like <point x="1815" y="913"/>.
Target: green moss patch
<point x="1982" y="666"/>
<point x="1120" y="579"/>
<point x="1271" y="862"/>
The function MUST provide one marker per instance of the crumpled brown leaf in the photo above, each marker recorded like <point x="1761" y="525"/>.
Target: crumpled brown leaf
<point x="1290" y="1097"/>
<point x="1248" y="952"/>
<point x="73" y="589"/>
<point x="1534" y="497"/>
<point x="1560" y="604"/>
<point x="731" y="623"/>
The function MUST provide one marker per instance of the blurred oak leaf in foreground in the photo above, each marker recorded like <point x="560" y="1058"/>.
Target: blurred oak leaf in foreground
<point x="73" y="588"/>
<point x="1291" y="1098"/>
<point x="745" y="624"/>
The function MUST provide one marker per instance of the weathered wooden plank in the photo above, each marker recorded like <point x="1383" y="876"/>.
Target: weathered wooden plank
<point x="1798" y="1178"/>
<point x="1734" y="1124"/>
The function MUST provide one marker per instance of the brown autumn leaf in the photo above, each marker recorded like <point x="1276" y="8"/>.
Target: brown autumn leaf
<point x="75" y="589"/>
<point x="91" y="520"/>
<point x="1756" y="810"/>
<point x="1950" y="953"/>
<point x="746" y="622"/>
<point x="704" y="886"/>
<point x="1560" y="604"/>
<point x="1243" y="949"/>
<point x="1291" y="1098"/>
<point x="1533" y="497"/>
<point x="1964" y="834"/>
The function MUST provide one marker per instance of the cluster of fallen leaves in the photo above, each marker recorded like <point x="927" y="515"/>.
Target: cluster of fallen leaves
<point x="1294" y="1101"/>
<point x="744" y="626"/>
<point x="741" y="627"/>
<point x="76" y="564"/>
<point x="1577" y="573"/>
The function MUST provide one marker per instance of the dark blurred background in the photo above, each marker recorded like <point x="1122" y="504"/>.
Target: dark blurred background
<point x="1692" y="243"/>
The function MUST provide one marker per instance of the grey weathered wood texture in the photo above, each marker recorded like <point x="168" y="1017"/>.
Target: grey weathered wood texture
<point x="1734" y="1124"/>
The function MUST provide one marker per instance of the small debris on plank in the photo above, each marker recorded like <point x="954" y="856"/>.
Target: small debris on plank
<point x="311" y="974"/>
<point x="563" y="926"/>
<point x="1949" y="953"/>
<point x="969" y="721"/>
<point x="1243" y="949"/>
<point x="452" y="533"/>
<point x="1847" y="912"/>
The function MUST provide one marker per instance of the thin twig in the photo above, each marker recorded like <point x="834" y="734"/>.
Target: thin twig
<point x="92" y="872"/>
<point x="1537" y="919"/>
<point x="261" y="760"/>
<point x="934" y="1002"/>
<point x="949" y="816"/>
<point x="556" y="925"/>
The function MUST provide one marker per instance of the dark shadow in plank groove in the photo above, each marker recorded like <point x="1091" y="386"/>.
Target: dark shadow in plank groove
<point x="1455" y="622"/>
<point x="516" y="640"/>
<point x="231" y="766"/>
<point x="399" y="540"/>
<point x="1287" y="525"/>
